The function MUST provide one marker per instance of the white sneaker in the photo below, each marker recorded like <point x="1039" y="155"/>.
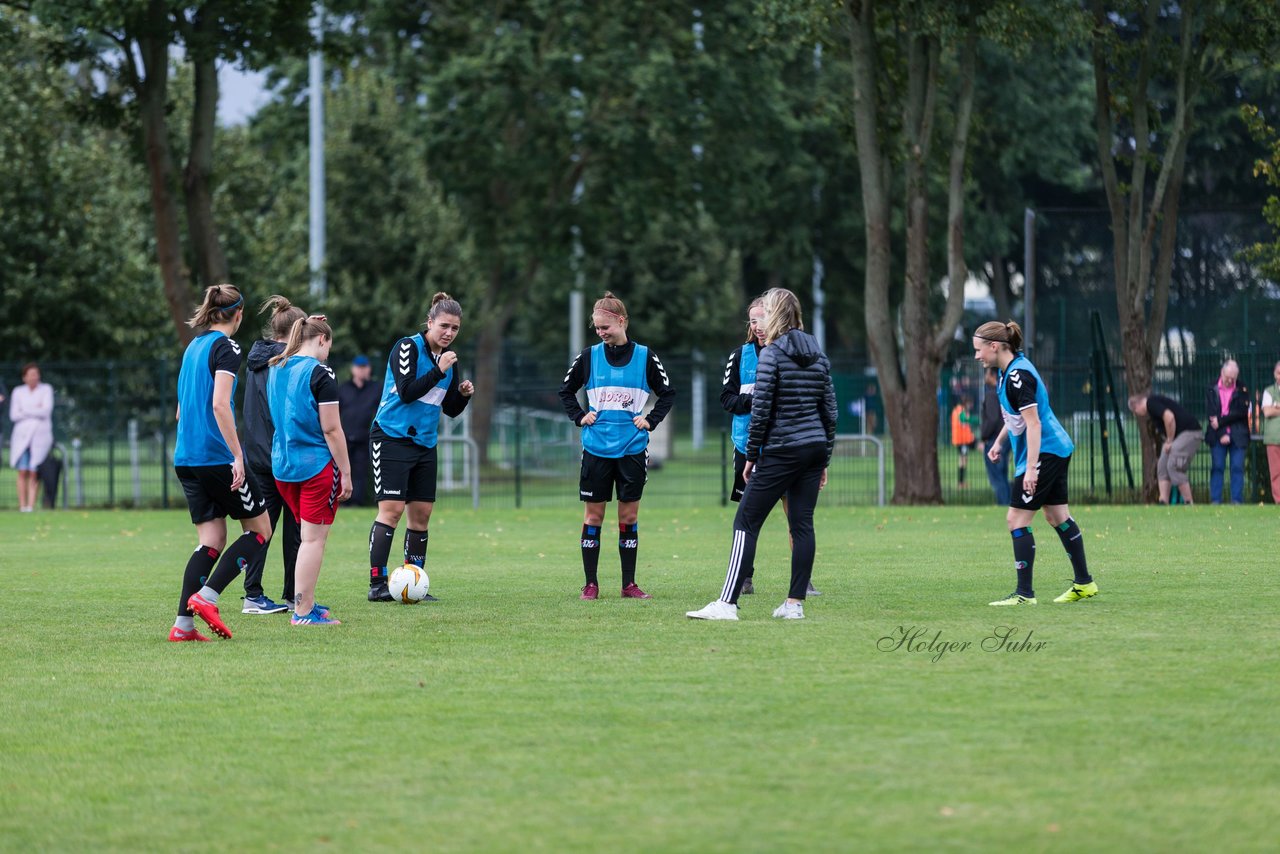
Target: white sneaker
<point x="717" y="610"/>
<point x="789" y="611"/>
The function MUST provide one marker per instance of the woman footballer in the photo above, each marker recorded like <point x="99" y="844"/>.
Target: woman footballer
<point x="1041" y="452"/>
<point x="422" y="383"/>
<point x="618" y="375"/>
<point x="308" y="452"/>
<point x="209" y="463"/>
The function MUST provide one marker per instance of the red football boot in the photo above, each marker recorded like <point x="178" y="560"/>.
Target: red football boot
<point x="178" y="635"/>
<point x="207" y="611"/>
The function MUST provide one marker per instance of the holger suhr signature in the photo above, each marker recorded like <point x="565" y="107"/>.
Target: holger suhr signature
<point x="920" y="639"/>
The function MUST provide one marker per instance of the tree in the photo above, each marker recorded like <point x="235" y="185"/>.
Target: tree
<point x="1267" y="167"/>
<point x="554" y="123"/>
<point x="1152" y="60"/>
<point x="128" y="46"/>
<point x="75" y="279"/>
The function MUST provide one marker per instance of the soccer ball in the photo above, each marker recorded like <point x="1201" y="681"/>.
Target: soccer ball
<point x="409" y="584"/>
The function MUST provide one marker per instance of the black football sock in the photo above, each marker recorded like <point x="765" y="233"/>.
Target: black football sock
<point x="235" y="559"/>
<point x="1024" y="558"/>
<point x="1073" y="542"/>
<point x="380" y="537"/>
<point x="199" y="566"/>
<point x="628" y="545"/>
<point x="415" y="547"/>
<point x="591" y="552"/>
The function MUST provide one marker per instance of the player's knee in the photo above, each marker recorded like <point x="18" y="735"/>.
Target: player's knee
<point x="389" y="512"/>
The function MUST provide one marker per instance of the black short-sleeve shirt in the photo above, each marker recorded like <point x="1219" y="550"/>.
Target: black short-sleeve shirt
<point x="1183" y="420"/>
<point x="1020" y="388"/>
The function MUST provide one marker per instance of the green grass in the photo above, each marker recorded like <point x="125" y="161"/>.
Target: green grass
<point x="511" y="716"/>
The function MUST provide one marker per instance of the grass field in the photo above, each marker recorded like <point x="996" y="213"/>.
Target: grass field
<point x="511" y="716"/>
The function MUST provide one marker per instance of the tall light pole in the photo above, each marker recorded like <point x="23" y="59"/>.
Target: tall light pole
<point x="315" y="100"/>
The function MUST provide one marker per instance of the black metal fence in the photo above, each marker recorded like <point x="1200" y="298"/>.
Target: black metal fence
<point x="114" y="425"/>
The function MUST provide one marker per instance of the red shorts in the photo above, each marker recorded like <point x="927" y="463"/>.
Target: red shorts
<point x="314" y="500"/>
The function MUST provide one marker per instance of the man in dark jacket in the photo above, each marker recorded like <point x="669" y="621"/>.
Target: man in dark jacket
<point x="357" y="404"/>
<point x="1227" y="405"/>
<point x="256" y="437"/>
<point x="992" y="424"/>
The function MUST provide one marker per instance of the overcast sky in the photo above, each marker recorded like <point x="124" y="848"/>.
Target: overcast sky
<point x="240" y="94"/>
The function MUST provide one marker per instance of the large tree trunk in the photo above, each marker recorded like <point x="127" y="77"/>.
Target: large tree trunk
<point x="911" y="404"/>
<point x="1135" y="219"/>
<point x="211" y="262"/>
<point x="152" y="89"/>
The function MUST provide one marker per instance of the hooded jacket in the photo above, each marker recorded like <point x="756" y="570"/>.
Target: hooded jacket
<point x="258" y="429"/>
<point x="793" y="402"/>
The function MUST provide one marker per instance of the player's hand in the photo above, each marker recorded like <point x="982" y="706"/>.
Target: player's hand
<point x="587" y="420"/>
<point x="641" y="422"/>
<point x="447" y="360"/>
<point x="747" y="468"/>
<point x="1030" y="480"/>
<point x="237" y="474"/>
<point x="466" y="389"/>
<point x="993" y="453"/>
<point x="345" y="492"/>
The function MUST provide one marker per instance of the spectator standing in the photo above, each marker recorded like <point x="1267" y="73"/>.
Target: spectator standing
<point x="1227" y="435"/>
<point x="992" y="424"/>
<point x="358" y="401"/>
<point x="1271" y="430"/>
<point x="31" y="411"/>
<point x="1179" y="435"/>
<point x="962" y="439"/>
<point x="789" y="442"/>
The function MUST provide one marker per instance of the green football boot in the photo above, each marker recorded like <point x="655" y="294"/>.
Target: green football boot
<point x="1078" y="592"/>
<point x="1015" y="599"/>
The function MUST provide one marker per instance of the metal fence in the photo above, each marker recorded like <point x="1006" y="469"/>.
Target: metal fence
<point x="114" y="424"/>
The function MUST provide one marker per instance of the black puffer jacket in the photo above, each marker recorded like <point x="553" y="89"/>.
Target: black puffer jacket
<point x="258" y="429"/>
<point x="794" y="402"/>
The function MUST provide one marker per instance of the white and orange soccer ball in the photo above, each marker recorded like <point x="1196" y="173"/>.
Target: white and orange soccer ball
<point x="409" y="584"/>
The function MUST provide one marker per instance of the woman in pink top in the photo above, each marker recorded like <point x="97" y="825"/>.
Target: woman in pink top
<point x="31" y="411"/>
<point x="1227" y="433"/>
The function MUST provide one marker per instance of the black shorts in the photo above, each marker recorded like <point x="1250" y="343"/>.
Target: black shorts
<point x="210" y="496"/>
<point x="1051" y="488"/>
<point x="402" y="470"/>
<point x="600" y="474"/>
<point x="739" y="463"/>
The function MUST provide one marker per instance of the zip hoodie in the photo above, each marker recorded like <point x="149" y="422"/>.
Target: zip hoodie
<point x="258" y="430"/>
<point x="794" y="401"/>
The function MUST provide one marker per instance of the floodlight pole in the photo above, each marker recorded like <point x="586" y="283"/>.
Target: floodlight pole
<point x="315" y="100"/>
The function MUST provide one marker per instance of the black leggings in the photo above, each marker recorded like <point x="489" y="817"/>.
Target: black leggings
<point x="291" y="536"/>
<point x="796" y="474"/>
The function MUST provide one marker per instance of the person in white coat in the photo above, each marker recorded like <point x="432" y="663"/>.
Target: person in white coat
<point x="31" y="411"/>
